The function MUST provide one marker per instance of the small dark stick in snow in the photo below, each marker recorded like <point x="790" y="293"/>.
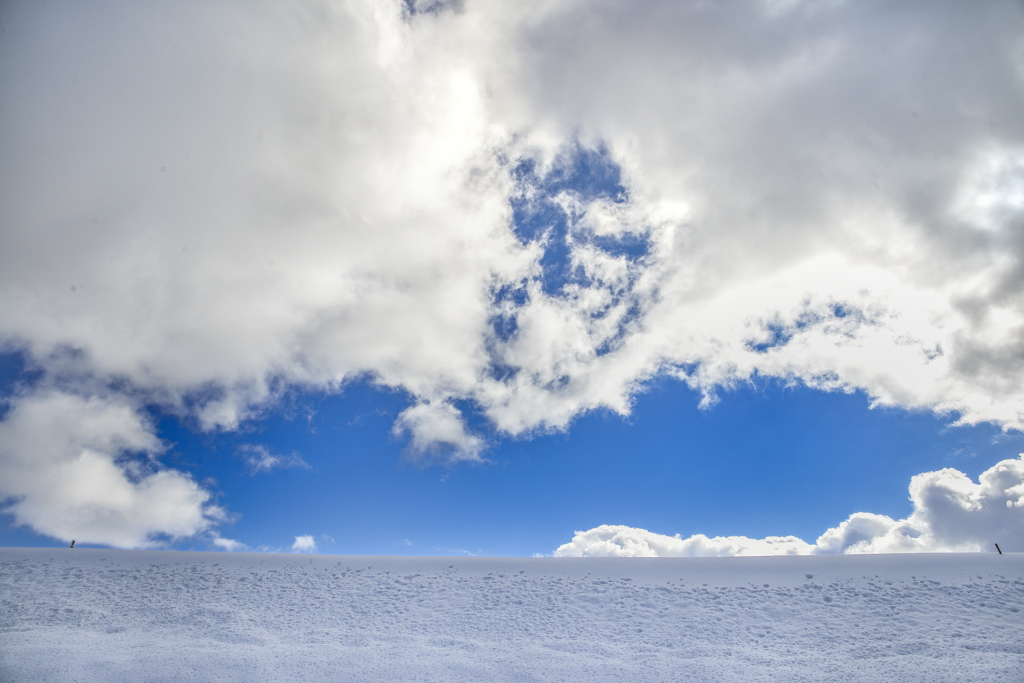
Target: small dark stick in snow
<point x="997" y="548"/>
<point x="73" y="544"/>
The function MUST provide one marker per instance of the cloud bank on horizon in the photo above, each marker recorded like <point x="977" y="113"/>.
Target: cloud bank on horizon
<point x="531" y="209"/>
<point x="951" y="514"/>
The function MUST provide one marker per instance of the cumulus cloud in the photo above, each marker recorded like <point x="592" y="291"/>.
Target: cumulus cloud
<point x="333" y="201"/>
<point x="88" y="469"/>
<point x="610" y="540"/>
<point x="951" y="514"/>
<point x="304" y="544"/>
<point x="228" y="544"/>
<point x="239" y="196"/>
<point x="431" y="427"/>
<point x="531" y="209"/>
<point x="824" y="208"/>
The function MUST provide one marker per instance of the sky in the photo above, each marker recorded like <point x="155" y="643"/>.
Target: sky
<point x="567" y="277"/>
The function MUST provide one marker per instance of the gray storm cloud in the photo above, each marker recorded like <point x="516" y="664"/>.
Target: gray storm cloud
<point x="208" y="203"/>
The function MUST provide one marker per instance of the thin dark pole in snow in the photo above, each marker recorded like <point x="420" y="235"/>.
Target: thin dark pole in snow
<point x="997" y="548"/>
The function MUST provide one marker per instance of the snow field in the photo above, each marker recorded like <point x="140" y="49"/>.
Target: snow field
<point x="108" y="615"/>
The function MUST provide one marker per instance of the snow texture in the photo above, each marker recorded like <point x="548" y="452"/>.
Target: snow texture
<point x="110" y="615"/>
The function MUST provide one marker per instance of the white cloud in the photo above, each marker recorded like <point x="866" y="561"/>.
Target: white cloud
<point x="87" y="468"/>
<point x="304" y="544"/>
<point x="223" y="200"/>
<point x="433" y="426"/>
<point x="291" y="201"/>
<point x="813" y="171"/>
<point x="228" y="544"/>
<point x="951" y="514"/>
<point x="623" y="541"/>
<point x="259" y="458"/>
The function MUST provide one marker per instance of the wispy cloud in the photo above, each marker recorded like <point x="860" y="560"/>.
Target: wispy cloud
<point x="259" y="458"/>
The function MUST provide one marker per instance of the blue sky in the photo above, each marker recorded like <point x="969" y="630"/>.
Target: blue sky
<point x="801" y="462"/>
<point x="512" y="278"/>
<point x="767" y="460"/>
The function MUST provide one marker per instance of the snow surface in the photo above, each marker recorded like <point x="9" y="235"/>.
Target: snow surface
<point x="114" y="615"/>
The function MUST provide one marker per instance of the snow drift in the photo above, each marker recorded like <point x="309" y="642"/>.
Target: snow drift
<point x="108" y="615"/>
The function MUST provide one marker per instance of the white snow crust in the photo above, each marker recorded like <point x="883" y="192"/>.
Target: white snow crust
<point x="114" y="615"/>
